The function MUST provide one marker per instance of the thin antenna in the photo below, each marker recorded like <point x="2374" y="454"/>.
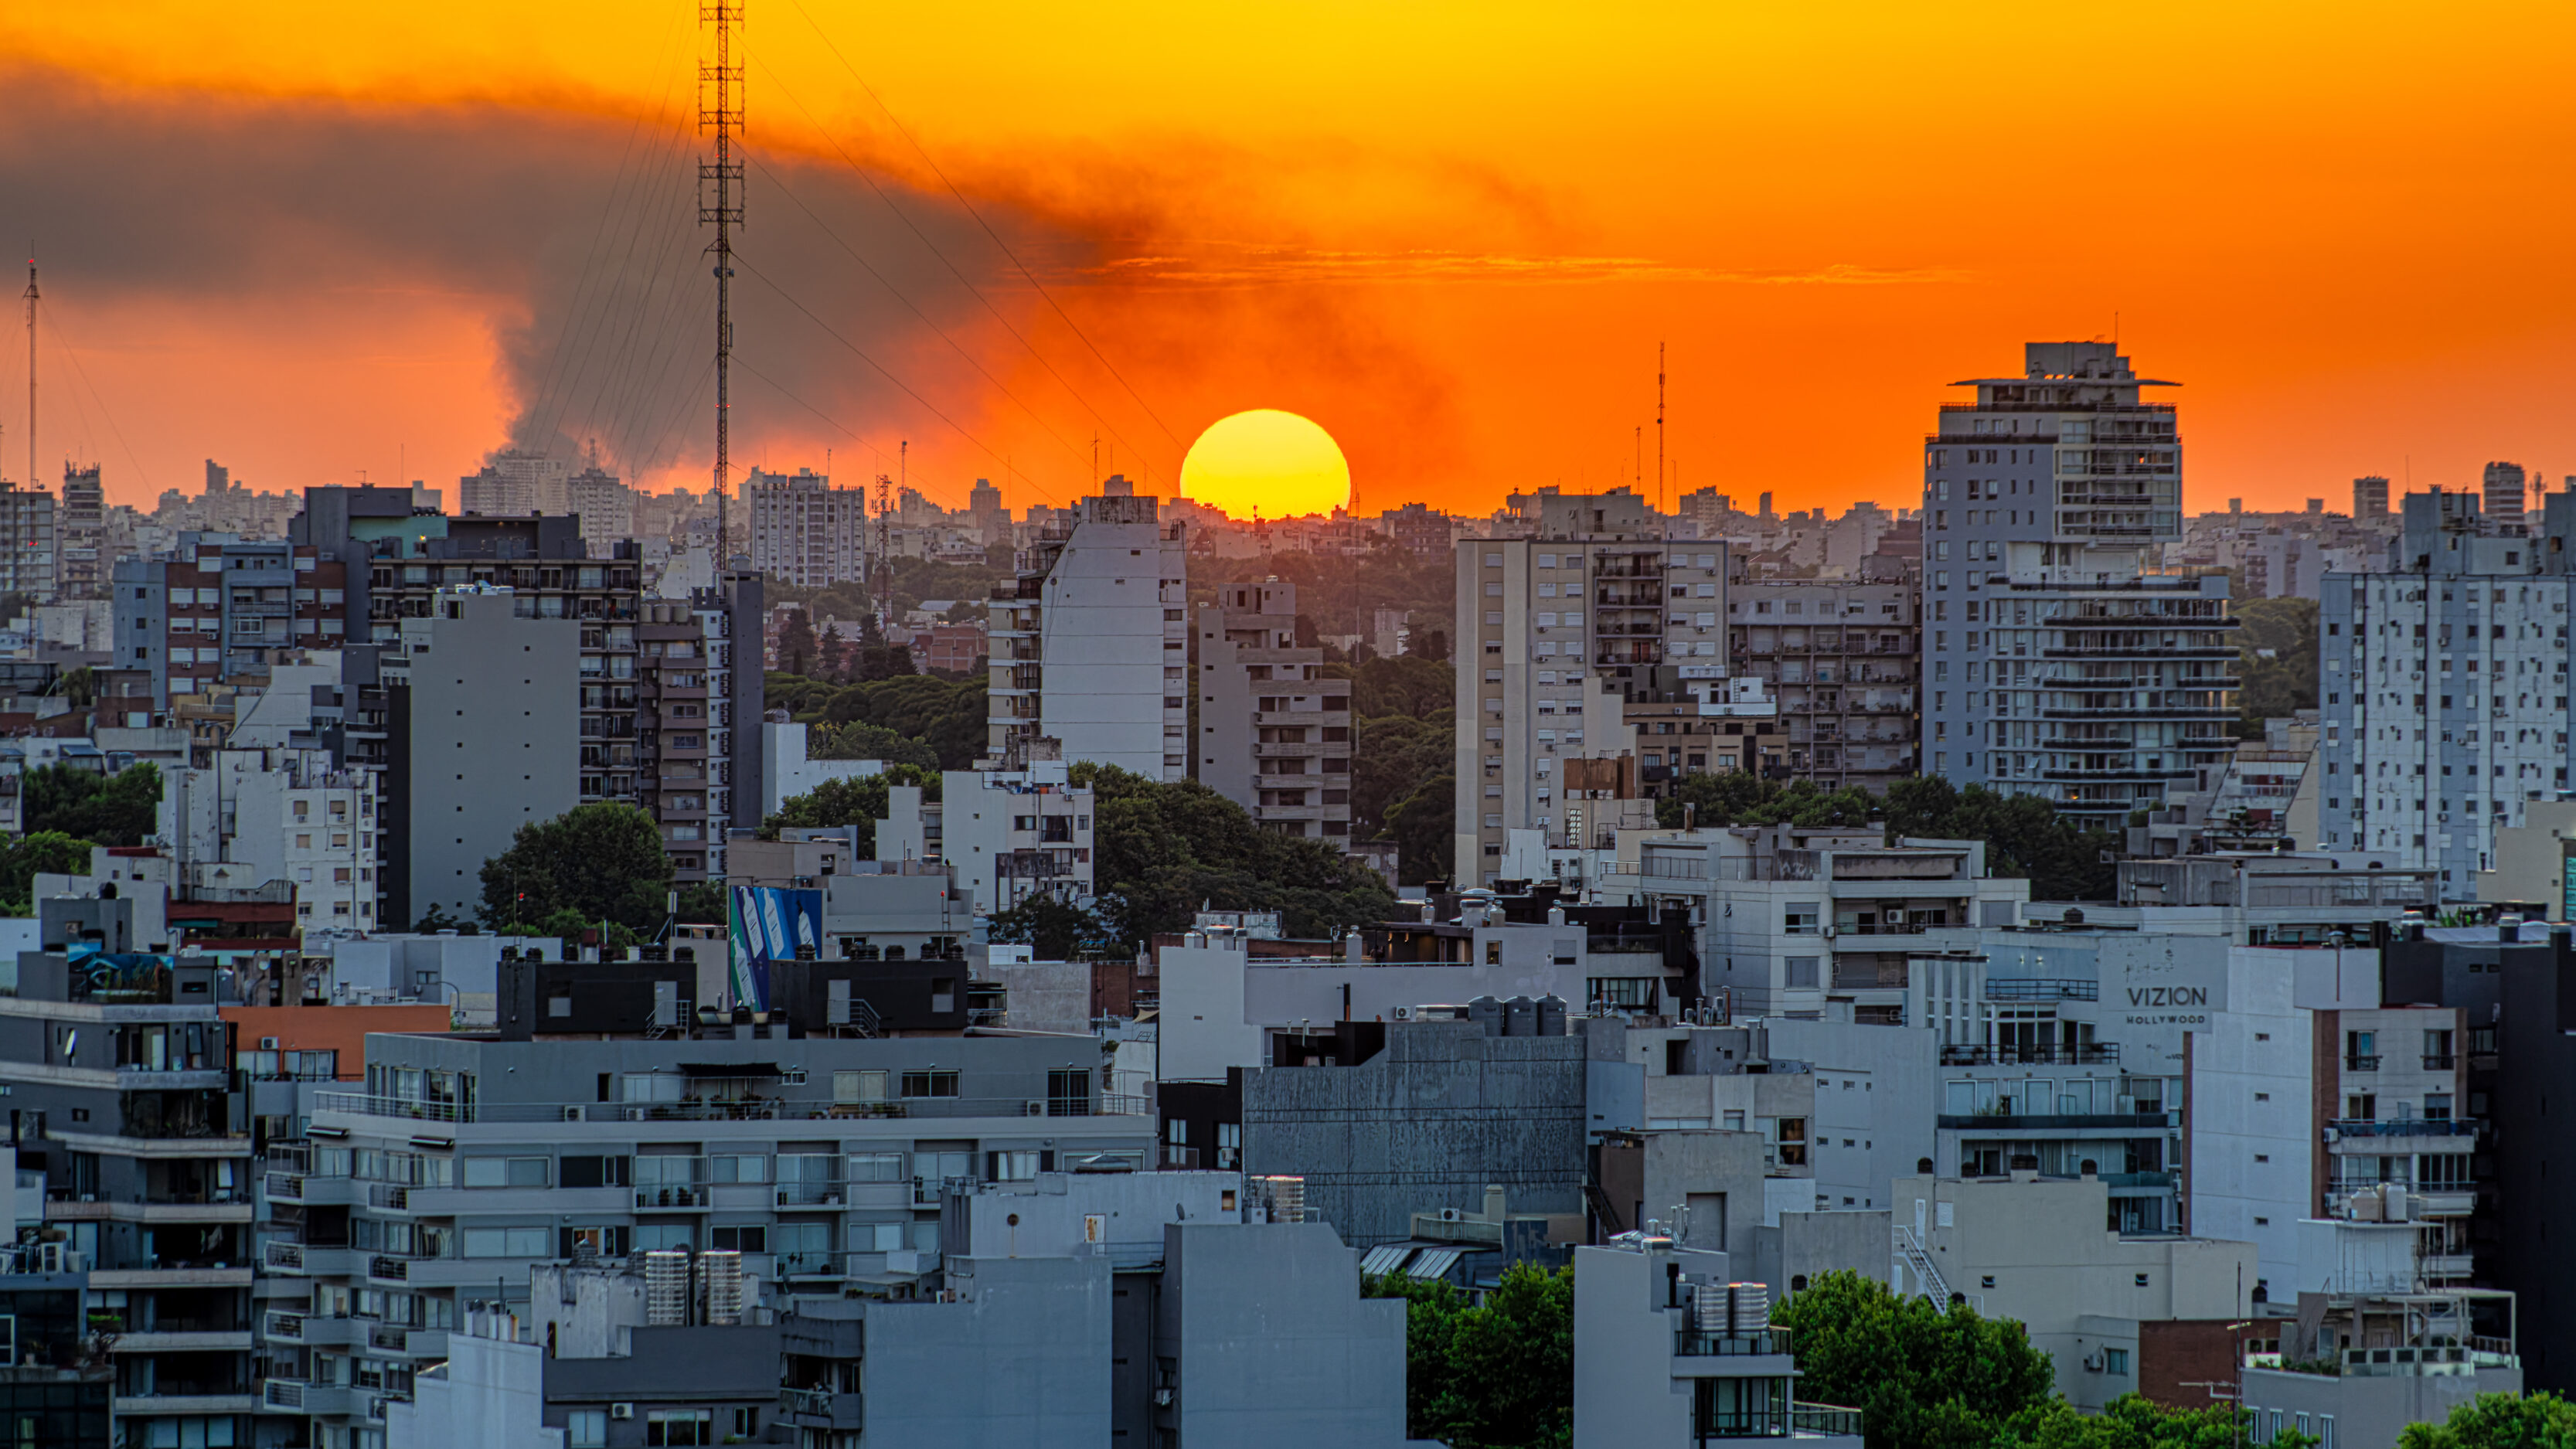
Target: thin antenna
<point x="1640" y="473"/>
<point x="1659" y="427"/>
<point x="720" y="111"/>
<point x="33" y="480"/>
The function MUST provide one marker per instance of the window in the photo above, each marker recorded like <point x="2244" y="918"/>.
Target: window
<point x="586" y="1429"/>
<point x="677" y="1427"/>
<point x="505" y="1172"/>
<point x="1069" y="1093"/>
<point x="853" y="1087"/>
<point x="664" y="1237"/>
<point x="2116" y="1361"/>
<point x="747" y="1238"/>
<point x="1800" y="972"/>
<point x="593" y="1172"/>
<point x="738" y="1167"/>
<point x="876" y="1167"/>
<point x="1011" y="1166"/>
<point x="1800" y="919"/>
<point x="1629" y="992"/>
<point x="932" y="1083"/>
<point x="802" y="1247"/>
<point x="511" y="1242"/>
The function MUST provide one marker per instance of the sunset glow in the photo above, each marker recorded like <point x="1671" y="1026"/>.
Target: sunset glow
<point x="1458" y="233"/>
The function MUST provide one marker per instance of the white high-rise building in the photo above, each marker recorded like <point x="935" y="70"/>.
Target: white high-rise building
<point x="1093" y="650"/>
<point x="604" y="504"/>
<point x="804" y="531"/>
<point x="2061" y="663"/>
<point x="2444" y="686"/>
<point x="516" y="485"/>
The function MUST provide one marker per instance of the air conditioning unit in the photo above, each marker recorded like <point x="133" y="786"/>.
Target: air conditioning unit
<point x="2093" y="1363"/>
<point x="1403" y="1013"/>
<point x="268" y="1043"/>
<point x="574" y="1113"/>
<point x="621" y="1411"/>
<point x="1037" y="1107"/>
<point x="1451" y="1215"/>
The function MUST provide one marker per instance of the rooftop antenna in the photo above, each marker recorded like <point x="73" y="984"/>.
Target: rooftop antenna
<point x="720" y="111"/>
<point x="1659" y="429"/>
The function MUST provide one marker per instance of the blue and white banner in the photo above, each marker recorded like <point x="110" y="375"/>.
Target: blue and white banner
<point x="765" y="924"/>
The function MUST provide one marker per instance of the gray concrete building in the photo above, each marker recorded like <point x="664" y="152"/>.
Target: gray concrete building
<point x="114" y="1061"/>
<point x="486" y="732"/>
<point x="1842" y="661"/>
<point x="2061" y="663"/>
<point x="1669" y="1350"/>
<point x="1397" y="1118"/>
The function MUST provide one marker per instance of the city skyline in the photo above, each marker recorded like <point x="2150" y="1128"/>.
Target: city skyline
<point x="314" y="257"/>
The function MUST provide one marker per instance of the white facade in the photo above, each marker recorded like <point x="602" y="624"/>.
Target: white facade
<point x="28" y="542"/>
<point x="253" y="817"/>
<point x="1011" y="834"/>
<point x="515" y="485"/>
<point x="786" y="772"/>
<point x="490" y="1393"/>
<point x="605" y="505"/>
<point x="1094" y="653"/>
<point x="804" y="531"/>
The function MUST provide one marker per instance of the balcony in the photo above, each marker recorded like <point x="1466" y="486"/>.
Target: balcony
<point x="1696" y="1343"/>
<point x="2354" y="1062"/>
<point x="2040" y="988"/>
<point x="2405" y="1127"/>
<point x="2081" y="1054"/>
<point x="822" y="1408"/>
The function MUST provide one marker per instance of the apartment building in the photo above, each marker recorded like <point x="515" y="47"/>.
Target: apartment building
<point x="2042" y="1249"/>
<point x="1090" y="646"/>
<point x="2322" y="1112"/>
<point x="1274" y="736"/>
<point x="1841" y="661"/>
<point x="223" y="610"/>
<point x="465" y="1162"/>
<point x="30" y="527"/>
<point x="2396" y="1359"/>
<point x="516" y="484"/>
<point x="80" y="557"/>
<point x="483" y="702"/>
<point x="1669" y="1350"/>
<point x="2061" y="664"/>
<point x="1790" y="917"/>
<point x="116" y="1066"/>
<point x="804" y="531"/>
<point x="2370" y="497"/>
<point x="1560" y="631"/>
<point x="2444" y="686"/>
<point x="256" y="816"/>
<point x="676" y="755"/>
<point x="603" y="503"/>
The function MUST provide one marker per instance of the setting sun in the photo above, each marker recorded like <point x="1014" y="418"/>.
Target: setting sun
<point x="1273" y="463"/>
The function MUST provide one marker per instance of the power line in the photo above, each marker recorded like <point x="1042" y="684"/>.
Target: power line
<point x="861" y="353"/>
<point x="54" y="324"/>
<point x="954" y="345"/>
<point x="988" y="229"/>
<point x="953" y="270"/>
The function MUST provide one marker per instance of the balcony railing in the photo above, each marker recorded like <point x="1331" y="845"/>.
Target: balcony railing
<point x="745" y="1110"/>
<point x="2406" y="1127"/>
<point x="2439" y="1061"/>
<point x="2354" y="1062"/>
<point x="1695" y="1343"/>
<point x="2080" y="1054"/>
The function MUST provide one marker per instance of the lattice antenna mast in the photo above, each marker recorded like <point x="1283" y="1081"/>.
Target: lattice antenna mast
<point x="33" y="481"/>
<point x="720" y="189"/>
<point x="1659" y="430"/>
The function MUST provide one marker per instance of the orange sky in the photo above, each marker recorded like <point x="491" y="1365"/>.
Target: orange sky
<point x="311" y="242"/>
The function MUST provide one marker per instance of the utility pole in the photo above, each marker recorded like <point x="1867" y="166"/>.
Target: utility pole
<point x="33" y="481"/>
<point x="720" y="112"/>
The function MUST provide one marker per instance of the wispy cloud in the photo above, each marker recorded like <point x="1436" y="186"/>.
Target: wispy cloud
<point x="1243" y="264"/>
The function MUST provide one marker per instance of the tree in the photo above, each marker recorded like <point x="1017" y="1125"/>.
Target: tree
<point x="1734" y="797"/>
<point x="1921" y="1377"/>
<point x="1162" y="850"/>
<point x="1390" y="758"/>
<point x="1492" y="1375"/>
<point x="2277" y="649"/>
<point x="47" y="852"/>
<point x="702" y="903"/>
<point x="2499" y="1421"/>
<point x="1424" y="827"/>
<point x="796" y="643"/>
<point x="884" y="661"/>
<point x="860" y="740"/>
<point x="118" y="809"/>
<point x="1430" y="644"/>
<point x="828" y="653"/>
<point x="1406" y="684"/>
<point x="600" y="862"/>
<point x="860" y="800"/>
<point x="1054" y="928"/>
<point x="2024" y="835"/>
<point x="2133" y="1421"/>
